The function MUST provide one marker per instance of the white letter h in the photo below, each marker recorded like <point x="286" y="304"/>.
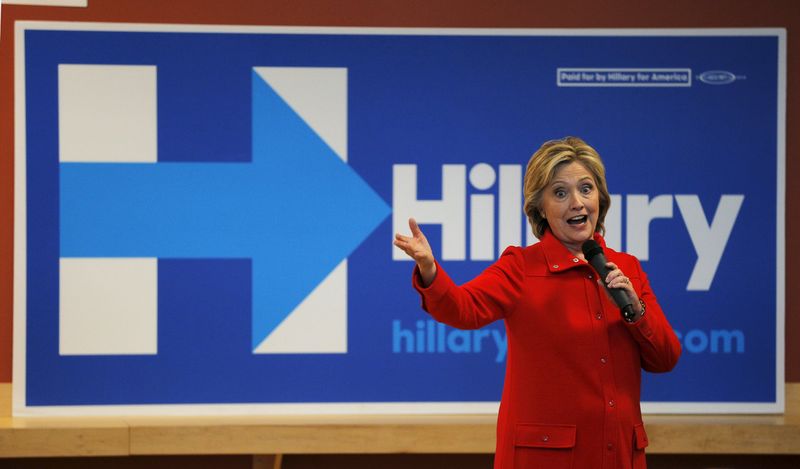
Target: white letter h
<point x="450" y="211"/>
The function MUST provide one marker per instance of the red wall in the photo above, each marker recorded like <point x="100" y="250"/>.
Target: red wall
<point x="420" y="13"/>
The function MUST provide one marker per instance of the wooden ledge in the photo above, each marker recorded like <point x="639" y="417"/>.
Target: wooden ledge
<point x="121" y="436"/>
<point x="61" y="437"/>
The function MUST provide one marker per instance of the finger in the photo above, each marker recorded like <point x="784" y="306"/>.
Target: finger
<point x="617" y="283"/>
<point x="621" y="282"/>
<point x="612" y="276"/>
<point x="625" y="284"/>
<point x="408" y="250"/>
<point x="414" y="227"/>
<point x="404" y="245"/>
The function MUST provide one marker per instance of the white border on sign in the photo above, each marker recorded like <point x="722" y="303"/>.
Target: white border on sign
<point x="20" y="229"/>
<point x="780" y="228"/>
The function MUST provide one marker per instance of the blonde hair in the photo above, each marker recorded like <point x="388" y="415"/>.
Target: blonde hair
<point x="542" y="167"/>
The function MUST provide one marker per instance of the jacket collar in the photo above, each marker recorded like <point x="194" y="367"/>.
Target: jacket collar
<point x="558" y="257"/>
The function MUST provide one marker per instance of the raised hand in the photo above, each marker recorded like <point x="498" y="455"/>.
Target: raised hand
<point x="417" y="248"/>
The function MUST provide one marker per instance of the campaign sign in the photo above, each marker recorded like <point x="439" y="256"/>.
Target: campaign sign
<point x="204" y="215"/>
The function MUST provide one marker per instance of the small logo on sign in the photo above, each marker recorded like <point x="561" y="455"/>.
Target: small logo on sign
<point x="718" y="77"/>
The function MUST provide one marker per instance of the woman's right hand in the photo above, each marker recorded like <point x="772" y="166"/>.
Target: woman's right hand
<point x="417" y="247"/>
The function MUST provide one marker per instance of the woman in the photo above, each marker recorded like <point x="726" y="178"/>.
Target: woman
<point x="572" y="383"/>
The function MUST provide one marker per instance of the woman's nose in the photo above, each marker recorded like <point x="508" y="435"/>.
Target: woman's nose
<point x="575" y="201"/>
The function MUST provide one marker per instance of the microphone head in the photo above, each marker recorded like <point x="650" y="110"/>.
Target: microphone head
<point x="590" y="249"/>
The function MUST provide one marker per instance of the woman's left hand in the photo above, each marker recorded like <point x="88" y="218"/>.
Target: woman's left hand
<point x="617" y="279"/>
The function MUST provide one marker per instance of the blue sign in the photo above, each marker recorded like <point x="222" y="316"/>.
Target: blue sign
<point x="208" y="215"/>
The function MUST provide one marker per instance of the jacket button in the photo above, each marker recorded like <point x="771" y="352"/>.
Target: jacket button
<point x="590" y="276"/>
<point x="610" y="447"/>
<point x="546" y="438"/>
<point x="611" y="403"/>
<point x="598" y="316"/>
<point x="603" y="360"/>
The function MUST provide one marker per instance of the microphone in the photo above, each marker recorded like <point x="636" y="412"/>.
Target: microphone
<point x="594" y="255"/>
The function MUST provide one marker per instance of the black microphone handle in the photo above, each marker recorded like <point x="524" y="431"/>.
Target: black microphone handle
<point x="594" y="254"/>
<point x="620" y="297"/>
<point x="598" y="261"/>
<point x="628" y="313"/>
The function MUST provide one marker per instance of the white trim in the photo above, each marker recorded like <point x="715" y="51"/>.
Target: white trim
<point x="780" y="230"/>
<point x="386" y="408"/>
<point x="19" y="339"/>
<point x="376" y="31"/>
<point x="374" y="408"/>
<point x="20" y="231"/>
<point x="712" y="407"/>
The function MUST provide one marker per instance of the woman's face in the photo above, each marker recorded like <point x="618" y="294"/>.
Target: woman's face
<point x="571" y="204"/>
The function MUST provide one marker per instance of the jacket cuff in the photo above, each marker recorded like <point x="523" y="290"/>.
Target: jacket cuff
<point x="438" y="287"/>
<point x="642" y="326"/>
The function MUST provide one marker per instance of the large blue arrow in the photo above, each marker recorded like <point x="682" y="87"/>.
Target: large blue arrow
<point x="297" y="210"/>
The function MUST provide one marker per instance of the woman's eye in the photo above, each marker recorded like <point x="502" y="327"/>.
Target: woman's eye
<point x="586" y="189"/>
<point x="560" y="193"/>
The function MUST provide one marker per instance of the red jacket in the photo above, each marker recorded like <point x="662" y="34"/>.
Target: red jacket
<point x="573" y="376"/>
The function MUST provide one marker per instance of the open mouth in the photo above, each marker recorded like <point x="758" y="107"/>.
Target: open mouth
<point x="579" y="220"/>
